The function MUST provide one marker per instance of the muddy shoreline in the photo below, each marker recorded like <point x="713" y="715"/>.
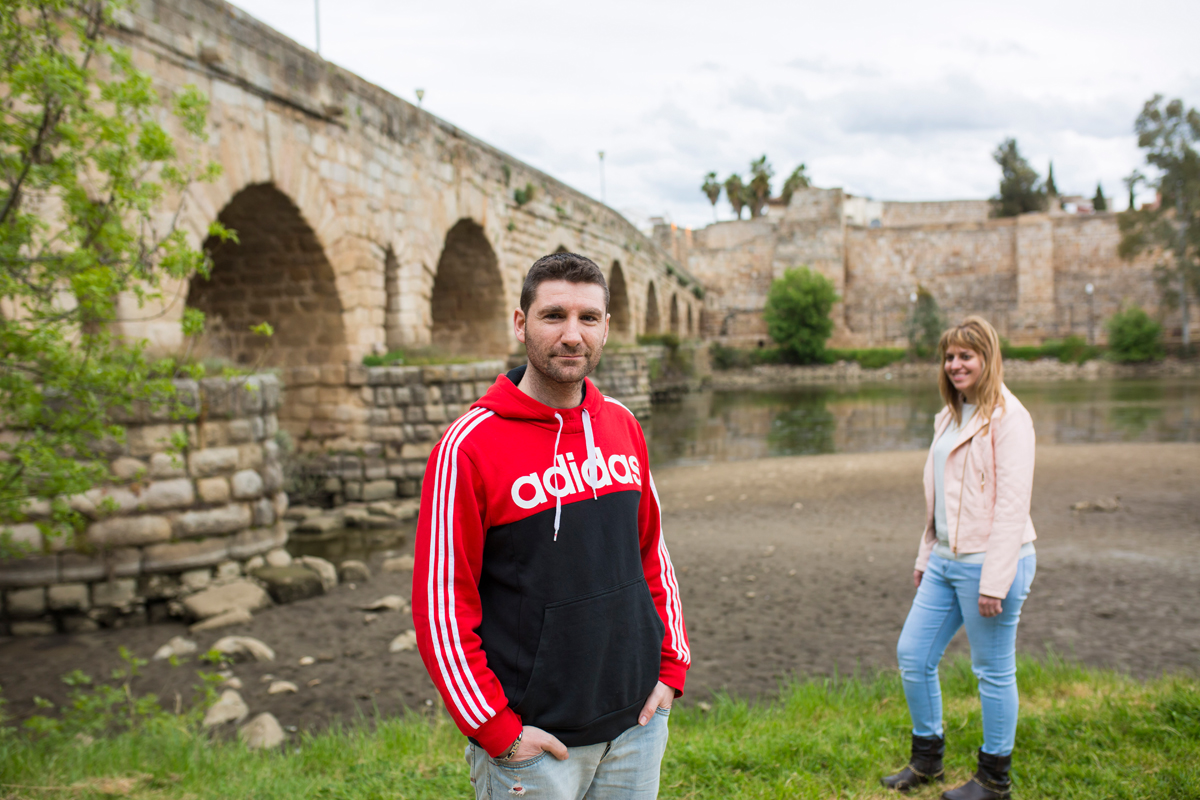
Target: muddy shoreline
<point x="788" y="566"/>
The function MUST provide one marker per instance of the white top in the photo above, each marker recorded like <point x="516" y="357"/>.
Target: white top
<point x="941" y="452"/>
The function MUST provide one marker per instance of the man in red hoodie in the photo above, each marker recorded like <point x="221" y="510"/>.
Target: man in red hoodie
<point x="546" y="607"/>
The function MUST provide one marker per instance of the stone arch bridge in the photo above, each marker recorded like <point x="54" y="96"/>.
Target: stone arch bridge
<point x="364" y="223"/>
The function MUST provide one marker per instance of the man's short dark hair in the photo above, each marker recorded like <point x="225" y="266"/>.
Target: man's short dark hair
<point x="561" y="267"/>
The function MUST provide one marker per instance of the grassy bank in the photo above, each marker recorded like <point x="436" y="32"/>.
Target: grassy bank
<point x="1083" y="734"/>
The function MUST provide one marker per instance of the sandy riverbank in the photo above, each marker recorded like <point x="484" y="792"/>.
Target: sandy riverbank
<point x="769" y="590"/>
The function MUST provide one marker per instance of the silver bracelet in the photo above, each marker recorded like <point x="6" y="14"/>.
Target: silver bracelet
<point x="512" y="750"/>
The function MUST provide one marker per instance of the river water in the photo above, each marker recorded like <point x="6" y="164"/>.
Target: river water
<point x="729" y="426"/>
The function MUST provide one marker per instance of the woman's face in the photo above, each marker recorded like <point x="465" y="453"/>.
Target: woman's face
<point x="963" y="366"/>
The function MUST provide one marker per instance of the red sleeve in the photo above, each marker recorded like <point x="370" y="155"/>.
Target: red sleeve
<point x="445" y="597"/>
<point x="664" y="588"/>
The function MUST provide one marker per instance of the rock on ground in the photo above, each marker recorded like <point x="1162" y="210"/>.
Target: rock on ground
<point x="239" y="594"/>
<point x="244" y="645"/>
<point x="399" y="564"/>
<point x="282" y="687"/>
<point x="238" y="616"/>
<point x="262" y="732"/>
<point x="229" y="708"/>
<point x="291" y="583"/>
<point x="353" y="571"/>
<point x="392" y="602"/>
<point x="405" y="641"/>
<point x="177" y="646"/>
<point x="323" y="568"/>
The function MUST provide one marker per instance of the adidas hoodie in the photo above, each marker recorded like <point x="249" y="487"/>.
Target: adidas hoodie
<point x="543" y="593"/>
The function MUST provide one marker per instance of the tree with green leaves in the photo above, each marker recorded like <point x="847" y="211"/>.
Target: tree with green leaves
<point x="925" y="324"/>
<point x="1131" y="181"/>
<point x="1020" y="188"/>
<point x="712" y="190"/>
<point x="1051" y="186"/>
<point x="797" y="180"/>
<point x="797" y="314"/>
<point x="86" y="170"/>
<point x="1099" y="202"/>
<point x="735" y="193"/>
<point x="759" y="187"/>
<point x="1134" y="336"/>
<point x="1169" y="133"/>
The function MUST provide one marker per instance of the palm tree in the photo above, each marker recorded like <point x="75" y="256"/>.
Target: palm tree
<point x="712" y="190"/>
<point x="735" y="192"/>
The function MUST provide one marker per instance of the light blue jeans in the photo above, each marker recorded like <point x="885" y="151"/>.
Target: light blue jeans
<point x="624" y="769"/>
<point x="948" y="599"/>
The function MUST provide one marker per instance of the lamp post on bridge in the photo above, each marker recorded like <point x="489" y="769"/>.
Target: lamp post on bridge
<point x="601" y="176"/>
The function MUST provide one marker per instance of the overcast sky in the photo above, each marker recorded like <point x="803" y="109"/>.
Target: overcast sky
<point x="892" y="100"/>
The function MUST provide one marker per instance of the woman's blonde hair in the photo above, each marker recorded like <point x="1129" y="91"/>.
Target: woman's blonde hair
<point x="977" y="335"/>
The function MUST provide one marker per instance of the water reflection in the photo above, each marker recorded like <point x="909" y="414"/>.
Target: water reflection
<point x="728" y="426"/>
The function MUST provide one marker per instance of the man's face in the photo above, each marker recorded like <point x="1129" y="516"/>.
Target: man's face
<point x="565" y="330"/>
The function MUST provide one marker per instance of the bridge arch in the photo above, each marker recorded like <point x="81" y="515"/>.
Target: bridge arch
<point x="652" y="319"/>
<point x="277" y="272"/>
<point x="467" y="303"/>
<point x="620" y="326"/>
<point x="691" y="327"/>
<point x="674" y="313"/>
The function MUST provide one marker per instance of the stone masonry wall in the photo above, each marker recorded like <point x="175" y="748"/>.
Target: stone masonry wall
<point x="181" y="520"/>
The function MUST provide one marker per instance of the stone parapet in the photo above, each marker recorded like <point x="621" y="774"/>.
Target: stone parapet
<point x="203" y="509"/>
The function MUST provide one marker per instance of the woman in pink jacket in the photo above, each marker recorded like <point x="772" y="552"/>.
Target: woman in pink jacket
<point x="976" y="560"/>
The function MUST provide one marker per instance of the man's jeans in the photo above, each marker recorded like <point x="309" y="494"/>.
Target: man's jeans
<point x="947" y="599"/>
<point x="624" y="769"/>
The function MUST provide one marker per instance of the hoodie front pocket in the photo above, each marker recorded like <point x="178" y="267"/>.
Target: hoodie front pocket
<point x="597" y="655"/>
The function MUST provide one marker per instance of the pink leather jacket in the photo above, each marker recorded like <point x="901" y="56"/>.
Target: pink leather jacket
<point x="988" y="485"/>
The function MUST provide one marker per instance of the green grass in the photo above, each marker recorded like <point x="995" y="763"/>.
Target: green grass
<point x="1083" y="734"/>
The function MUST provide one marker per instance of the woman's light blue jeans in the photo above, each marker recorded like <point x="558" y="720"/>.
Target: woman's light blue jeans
<point x="948" y="599"/>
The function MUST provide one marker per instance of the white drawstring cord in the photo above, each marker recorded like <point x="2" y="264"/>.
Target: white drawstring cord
<point x="554" y="463"/>
<point x="593" y="455"/>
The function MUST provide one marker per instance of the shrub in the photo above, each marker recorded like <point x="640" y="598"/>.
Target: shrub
<point x="797" y="314"/>
<point x="925" y="324"/>
<point x="723" y="357"/>
<point x="670" y="340"/>
<point x="1134" y="336"/>
<point x="870" y="357"/>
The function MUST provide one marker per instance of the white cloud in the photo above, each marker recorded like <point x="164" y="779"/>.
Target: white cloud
<point x="892" y="100"/>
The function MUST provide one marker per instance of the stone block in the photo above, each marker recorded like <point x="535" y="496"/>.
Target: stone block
<point x="173" y="493"/>
<point x="397" y="469"/>
<point x="178" y="556"/>
<point x="144" y="441"/>
<point x="384" y="396"/>
<point x="105" y="501"/>
<point x="76" y="567"/>
<point x="378" y="416"/>
<point x="333" y="375"/>
<point x="451" y="393"/>
<point x="290" y="583"/>
<point x="27" y="535"/>
<point x="272" y="393"/>
<point x="489" y="371"/>
<point x="461" y="372"/>
<point x="206" y="522"/>
<point x="272" y="478"/>
<point x="156" y="587"/>
<point x="434" y="374"/>
<point x="77" y="623"/>
<point x="122" y="562"/>
<point x="415" y="470"/>
<point x="167" y="465"/>
<point x="214" y="490"/>
<point x="212" y="461"/>
<point x="118" y="593"/>
<point x="401" y="395"/>
<point x="433" y="395"/>
<point x="356" y="374"/>
<point x="255" y="541"/>
<point x="218" y="397"/>
<point x="247" y="484"/>
<point x="435" y="413"/>
<point x="129" y="531"/>
<point x="129" y="469"/>
<point x="352" y="490"/>
<point x="227" y="571"/>
<point x="41" y="627"/>
<point x="270" y="452"/>
<point x="193" y="580"/>
<point x="377" y="376"/>
<point x="378" y="490"/>
<point x="424" y="433"/>
<point x="29" y="571"/>
<point x="241" y="431"/>
<point x="374" y="468"/>
<point x="419" y="394"/>
<point x="264" y="512"/>
<point x="414" y="414"/>
<point x="303" y="376"/>
<point x="419" y="450"/>
<point x="240" y="594"/>
<point x="250" y="456"/>
<point x="280" y="501"/>
<point x="258" y="429"/>
<point x="187" y="393"/>
<point x="248" y="396"/>
<point x="25" y="602"/>
<point x="68" y="597"/>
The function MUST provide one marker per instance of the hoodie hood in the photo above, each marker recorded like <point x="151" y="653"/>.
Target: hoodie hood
<point x="505" y="400"/>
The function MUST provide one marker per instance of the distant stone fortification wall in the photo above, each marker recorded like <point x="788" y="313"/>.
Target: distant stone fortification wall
<point x="940" y="211"/>
<point x="1026" y="274"/>
<point x="180" y="520"/>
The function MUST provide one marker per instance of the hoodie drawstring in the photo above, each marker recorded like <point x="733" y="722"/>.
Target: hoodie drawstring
<point x="554" y="463"/>
<point x="593" y="455"/>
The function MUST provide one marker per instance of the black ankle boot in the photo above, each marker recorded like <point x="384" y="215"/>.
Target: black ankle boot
<point x="990" y="781"/>
<point x="925" y="766"/>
